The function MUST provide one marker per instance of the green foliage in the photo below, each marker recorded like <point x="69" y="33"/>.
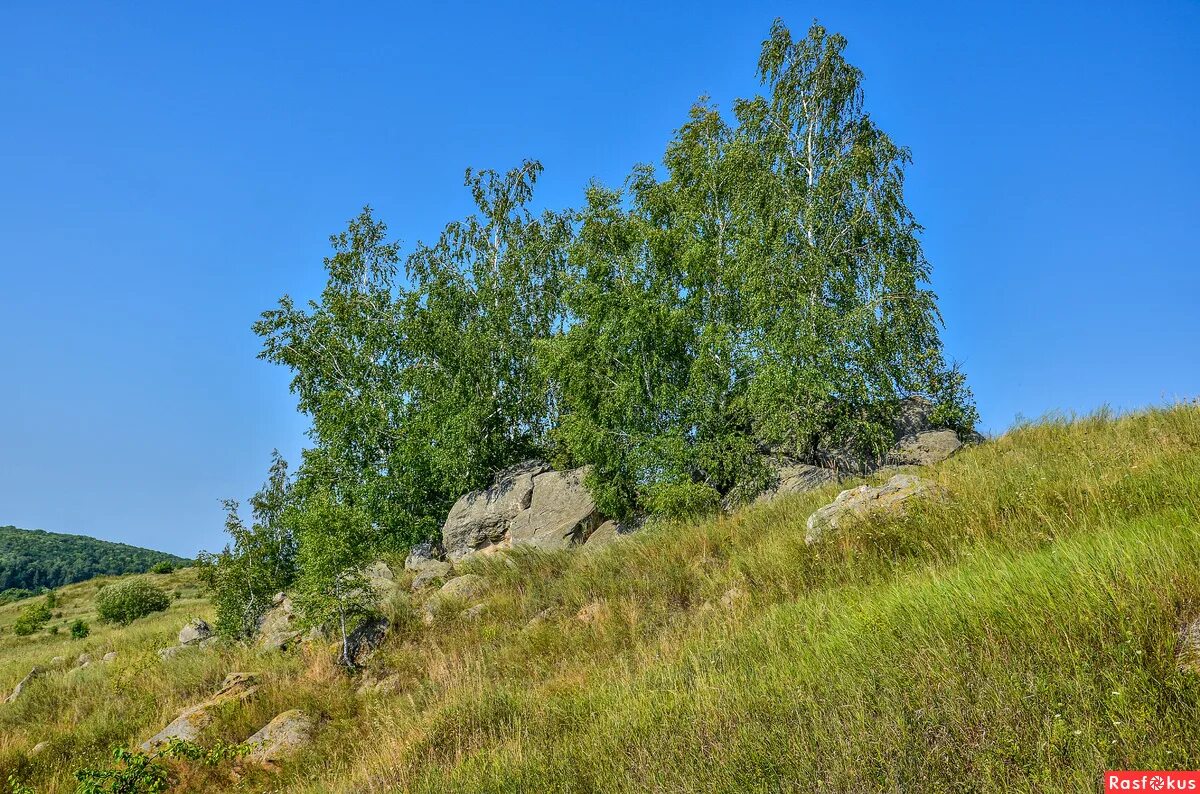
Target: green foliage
<point x="163" y="566"/>
<point x="15" y="786"/>
<point x="125" y="602"/>
<point x="80" y="629"/>
<point x="767" y="292"/>
<point x="260" y="562"/>
<point x="419" y="394"/>
<point x="335" y="543"/>
<point x="209" y="756"/>
<point x="135" y="773"/>
<point x="32" y="618"/>
<point x="686" y="500"/>
<point x="33" y="559"/>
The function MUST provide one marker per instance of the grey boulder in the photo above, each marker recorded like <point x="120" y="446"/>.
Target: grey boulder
<point x="561" y="512"/>
<point x="856" y="503"/>
<point x="924" y="449"/>
<point x="194" y="632"/>
<point x="285" y="735"/>
<point x="479" y="521"/>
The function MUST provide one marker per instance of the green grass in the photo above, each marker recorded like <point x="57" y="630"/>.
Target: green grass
<point x="1020" y="636"/>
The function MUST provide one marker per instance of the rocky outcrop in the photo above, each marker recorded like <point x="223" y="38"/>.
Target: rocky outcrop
<point x="278" y="630"/>
<point x="890" y="498"/>
<point x="283" y="736"/>
<point x="194" y="632"/>
<point x="607" y="533"/>
<point x="529" y="505"/>
<point x="468" y="587"/>
<point x="237" y="687"/>
<point x="380" y="579"/>
<point x="480" y="521"/>
<point x="23" y="684"/>
<point x="561" y="512"/>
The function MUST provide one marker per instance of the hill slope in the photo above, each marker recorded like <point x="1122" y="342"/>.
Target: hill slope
<point x="1024" y="635"/>
<point x="33" y="558"/>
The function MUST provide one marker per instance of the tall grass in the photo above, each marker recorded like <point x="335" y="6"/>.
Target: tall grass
<point x="1020" y="635"/>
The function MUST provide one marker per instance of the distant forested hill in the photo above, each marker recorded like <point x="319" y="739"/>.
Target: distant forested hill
<point x="31" y="558"/>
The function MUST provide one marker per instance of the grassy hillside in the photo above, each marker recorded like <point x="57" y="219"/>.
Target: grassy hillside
<point x="33" y="558"/>
<point x="1021" y="636"/>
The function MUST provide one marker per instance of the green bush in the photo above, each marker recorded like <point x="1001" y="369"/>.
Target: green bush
<point x="32" y="618"/>
<point x="687" y="500"/>
<point x="164" y="566"/>
<point x="125" y="602"/>
<point x="79" y="629"/>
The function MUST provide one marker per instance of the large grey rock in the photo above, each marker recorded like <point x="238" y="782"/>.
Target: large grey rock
<point x="23" y="684"/>
<point x="288" y="733"/>
<point x="423" y="555"/>
<point x="561" y="512"/>
<point x="480" y="520"/>
<point x="607" y="533"/>
<point x="924" y="449"/>
<point x="278" y="629"/>
<point x="852" y="505"/>
<point x="194" y="631"/>
<point x="236" y="687"/>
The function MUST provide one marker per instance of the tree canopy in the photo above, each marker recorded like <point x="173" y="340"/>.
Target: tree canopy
<point x="761" y="292"/>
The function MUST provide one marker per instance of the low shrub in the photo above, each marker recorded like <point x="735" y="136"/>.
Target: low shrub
<point x="32" y="618"/>
<point x="125" y="602"/>
<point x="163" y="566"/>
<point x="79" y="629"/>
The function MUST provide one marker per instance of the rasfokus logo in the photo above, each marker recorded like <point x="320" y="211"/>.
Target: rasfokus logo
<point x="1158" y="780"/>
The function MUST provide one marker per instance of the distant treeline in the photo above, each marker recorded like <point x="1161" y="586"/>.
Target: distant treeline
<point x="34" y="559"/>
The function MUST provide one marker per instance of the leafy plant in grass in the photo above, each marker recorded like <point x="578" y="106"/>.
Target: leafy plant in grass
<point x="162" y="566"/>
<point x="80" y="629"/>
<point x="260" y="562"/>
<point x="135" y="772"/>
<point x="335" y="543"/>
<point x="32" y="618"/>
<point x="125" y="602"/>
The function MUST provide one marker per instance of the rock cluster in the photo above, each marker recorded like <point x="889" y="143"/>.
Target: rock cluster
<point x="237" y="687"/>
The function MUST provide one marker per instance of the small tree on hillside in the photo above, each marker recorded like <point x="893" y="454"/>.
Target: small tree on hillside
<point x="260" y="561"/>
<point x="335" y="545"/>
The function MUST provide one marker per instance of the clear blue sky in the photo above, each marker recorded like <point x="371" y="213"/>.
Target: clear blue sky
<point x="168" y="170"/>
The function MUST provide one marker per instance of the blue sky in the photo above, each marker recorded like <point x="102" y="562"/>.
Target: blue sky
<point x="168" y="170"/>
